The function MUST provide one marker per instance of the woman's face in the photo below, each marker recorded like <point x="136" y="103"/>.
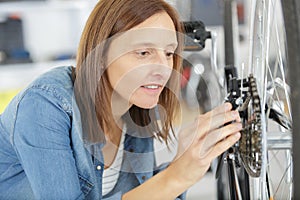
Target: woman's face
<point x="140" y="61"/>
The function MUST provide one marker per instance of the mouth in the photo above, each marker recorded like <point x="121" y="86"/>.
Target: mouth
<point x="151" y="87"/>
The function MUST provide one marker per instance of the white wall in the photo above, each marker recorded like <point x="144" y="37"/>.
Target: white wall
<point x="50" y="27"/>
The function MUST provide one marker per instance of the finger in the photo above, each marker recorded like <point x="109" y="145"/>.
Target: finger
<point x="223" y="145"/>
<point x="207" y="124"/>
<point x="225" y="118"/>
<point x="220" y="109"/>
<point x="217" y="135"/>
<point x="226" y="131"/>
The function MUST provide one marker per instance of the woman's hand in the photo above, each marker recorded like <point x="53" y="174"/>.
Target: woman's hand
<point x="199" y="143"/>
<point x="202" y="141"/>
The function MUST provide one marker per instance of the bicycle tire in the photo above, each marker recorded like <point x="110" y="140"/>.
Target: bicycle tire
<point x="229" y="33"/>
<point x="292" y="21"/>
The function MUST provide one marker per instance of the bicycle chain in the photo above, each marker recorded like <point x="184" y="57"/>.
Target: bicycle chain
<point x="250" y="145"/>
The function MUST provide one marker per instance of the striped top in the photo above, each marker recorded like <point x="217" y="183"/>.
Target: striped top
<point x="111" y="174"/>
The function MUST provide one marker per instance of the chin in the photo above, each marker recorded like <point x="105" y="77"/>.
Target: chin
<point x="146" y="105"/>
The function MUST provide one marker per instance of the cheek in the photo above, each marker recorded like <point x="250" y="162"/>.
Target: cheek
<point x="171" y="63"/>
<point x="118" y="71"/>
<point x="114" y="76"/>
<point x="125" y="80"/>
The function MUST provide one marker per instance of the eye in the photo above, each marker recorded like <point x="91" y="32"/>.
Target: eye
<point x="169" y="54"/>
<point x="143" y="53"/>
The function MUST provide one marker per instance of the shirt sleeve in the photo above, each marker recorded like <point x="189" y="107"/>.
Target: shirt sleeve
<point x="42" y="141"/>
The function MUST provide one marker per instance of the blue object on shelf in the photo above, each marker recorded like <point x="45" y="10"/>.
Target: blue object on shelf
<point x="12" y="42"/>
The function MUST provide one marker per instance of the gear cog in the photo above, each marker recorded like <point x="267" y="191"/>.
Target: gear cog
<point x="250" y="144"/>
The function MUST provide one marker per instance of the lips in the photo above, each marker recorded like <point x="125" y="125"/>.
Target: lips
<point x="153" y="87"/>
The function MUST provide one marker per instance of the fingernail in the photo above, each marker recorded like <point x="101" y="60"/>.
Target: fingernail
<point x="228" y="106"/>
<point x="239" y="126"/>
<point x="235" y="113"/>
<point x="237" y="135"/>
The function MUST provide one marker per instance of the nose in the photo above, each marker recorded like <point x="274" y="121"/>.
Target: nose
<point x="161" y="58"/>
<point x="162" y="66"/>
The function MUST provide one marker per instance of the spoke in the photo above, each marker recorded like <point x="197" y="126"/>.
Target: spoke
<point x="282" y="178"/>
<point x="275" y="90"/>
<point x="279" y="140"/>
<point x="281" y="185"/>
<point x="279" y="60"/>
<point x="270" y="183"/>
<point x="274" y="158"/>
<point x="283" y="75"/>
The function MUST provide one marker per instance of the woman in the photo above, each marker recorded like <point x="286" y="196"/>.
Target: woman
<point x="88" y="133"/>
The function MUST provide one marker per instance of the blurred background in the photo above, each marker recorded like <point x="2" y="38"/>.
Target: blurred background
<point x="38" y="35"/>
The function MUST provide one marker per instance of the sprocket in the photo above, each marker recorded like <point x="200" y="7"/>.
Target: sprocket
<point x="250" y="144"/>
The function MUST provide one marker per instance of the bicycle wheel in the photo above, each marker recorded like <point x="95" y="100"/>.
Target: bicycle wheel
<point x="274" y="39"/>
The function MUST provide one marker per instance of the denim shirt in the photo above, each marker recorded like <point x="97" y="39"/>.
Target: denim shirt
<point x="43" y="156"/>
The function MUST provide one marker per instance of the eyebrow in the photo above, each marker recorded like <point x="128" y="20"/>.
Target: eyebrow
<point x="149" y="44"/>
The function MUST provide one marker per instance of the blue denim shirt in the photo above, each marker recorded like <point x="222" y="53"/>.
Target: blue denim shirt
<point x="42" y="155"/>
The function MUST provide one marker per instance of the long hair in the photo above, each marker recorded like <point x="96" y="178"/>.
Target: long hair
<point x="92" y="88"/>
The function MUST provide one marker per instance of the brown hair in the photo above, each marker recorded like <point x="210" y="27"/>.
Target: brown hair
<point x="92" y="88"/>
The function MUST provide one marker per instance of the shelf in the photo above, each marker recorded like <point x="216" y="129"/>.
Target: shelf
<point x="18" y="76"/>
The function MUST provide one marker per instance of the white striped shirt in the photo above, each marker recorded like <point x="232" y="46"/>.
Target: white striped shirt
<point x="111" y="174"/>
